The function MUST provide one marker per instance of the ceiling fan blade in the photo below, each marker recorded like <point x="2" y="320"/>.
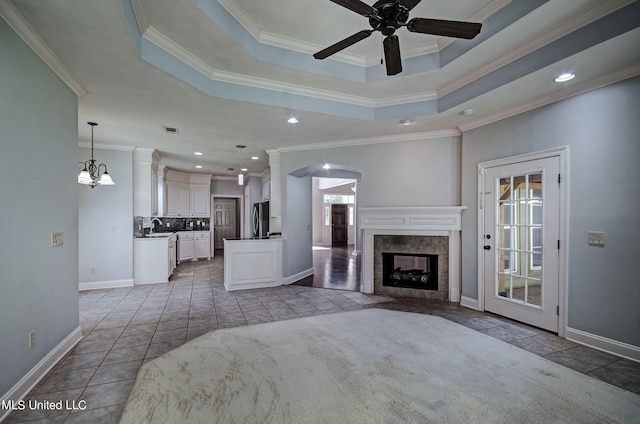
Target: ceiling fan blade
<point x="357" y="6"/>
<point x="409" y="4"/>
<point x="340" y="45"/>
<point x="392" y="55"/>
<point x="455" y="29"/>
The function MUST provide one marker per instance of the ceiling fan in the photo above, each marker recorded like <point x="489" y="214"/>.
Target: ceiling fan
<point x="387" y="16"/>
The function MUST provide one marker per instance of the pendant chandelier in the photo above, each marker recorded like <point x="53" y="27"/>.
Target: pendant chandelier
<point x="89" y="175"/>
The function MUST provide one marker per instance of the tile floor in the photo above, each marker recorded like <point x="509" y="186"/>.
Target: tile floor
<point x="123" y="328"/>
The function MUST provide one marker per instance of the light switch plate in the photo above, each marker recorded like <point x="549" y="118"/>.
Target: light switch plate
<point x="596" y="238"/>
<point x="57" y="239"/>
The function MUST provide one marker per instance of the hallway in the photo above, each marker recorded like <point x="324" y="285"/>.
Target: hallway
<point x="334" y="268"/>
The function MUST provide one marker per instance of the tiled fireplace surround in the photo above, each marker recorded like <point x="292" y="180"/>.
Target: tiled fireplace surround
<point x="432" y="230"/>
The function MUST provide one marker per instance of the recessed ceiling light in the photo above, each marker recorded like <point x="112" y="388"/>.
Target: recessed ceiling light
<point x="564" y="77"/>
<point x="468" y="112"/>
<point x="326" y="166"/>
<point x="199" y="166"/>
<point x="244" y="170"/>
<point x="406" y="122"/>
<point x="292" y="120"/>
<point x="254" y="158"/>
<point x="197" y="153"/>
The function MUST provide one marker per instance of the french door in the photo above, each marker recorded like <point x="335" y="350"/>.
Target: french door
<point x="521" y="241"/>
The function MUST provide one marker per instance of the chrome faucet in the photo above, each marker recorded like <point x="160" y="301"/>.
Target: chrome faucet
<point x="151" y="223"/>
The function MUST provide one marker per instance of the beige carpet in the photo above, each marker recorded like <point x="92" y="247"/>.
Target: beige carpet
<point x="371" y="366"/>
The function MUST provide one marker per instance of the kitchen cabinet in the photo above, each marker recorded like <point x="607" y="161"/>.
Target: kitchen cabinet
<point x="145" y="182"/>
<point x="203" y="244"/>
<point x="187" y="195"/>
<point x="154" y="259"/>
<point x="266" y="185"/>
<point x="194" y="245"/>
<point x="186" y="246"/>
<point x="173" y="254"/>
<point x="178" y="199"/>
<point x="200" y="200"/>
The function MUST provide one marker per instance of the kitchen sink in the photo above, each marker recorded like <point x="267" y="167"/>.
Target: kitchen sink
<point x="159" y="235"/>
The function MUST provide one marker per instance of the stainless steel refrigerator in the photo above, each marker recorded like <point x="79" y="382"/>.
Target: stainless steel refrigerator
<point x="260" y="220"/>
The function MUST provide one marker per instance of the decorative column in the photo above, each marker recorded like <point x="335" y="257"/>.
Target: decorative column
<point x="275" y="201"/>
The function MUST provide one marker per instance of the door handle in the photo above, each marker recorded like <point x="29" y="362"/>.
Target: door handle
<point x="487" y="248"/>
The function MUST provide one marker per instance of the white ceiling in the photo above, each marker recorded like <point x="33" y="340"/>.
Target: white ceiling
<point x="231" y="72"/>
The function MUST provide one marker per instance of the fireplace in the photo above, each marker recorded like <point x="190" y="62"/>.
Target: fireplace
<point x="416" y="266"/>
<point x="428" y="230"/>
<point x="410" y="270"/>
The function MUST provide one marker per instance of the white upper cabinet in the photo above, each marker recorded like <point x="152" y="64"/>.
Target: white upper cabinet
<point x="200" y="200"/>
<point x="145" y="182"/>
<point x="187" y="195"/>
<point x="266" y="185"/>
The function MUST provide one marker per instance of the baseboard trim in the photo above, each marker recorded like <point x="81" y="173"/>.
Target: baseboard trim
<point x="604" y="344"/>
<point x="468" y="302"/>
<point x="113" y="284"/>
<point x="299" y="276"/>
<point x="33" y="377"/>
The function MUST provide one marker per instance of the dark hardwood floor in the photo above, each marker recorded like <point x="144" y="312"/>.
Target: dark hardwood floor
<point x="334" y="268"/>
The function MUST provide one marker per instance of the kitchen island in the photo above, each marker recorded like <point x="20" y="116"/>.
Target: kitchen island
<point x="252" y="263"/>
<point x="154" y="258"/>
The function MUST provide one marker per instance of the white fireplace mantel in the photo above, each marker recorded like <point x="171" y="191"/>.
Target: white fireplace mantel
<point x="412" y="221"/>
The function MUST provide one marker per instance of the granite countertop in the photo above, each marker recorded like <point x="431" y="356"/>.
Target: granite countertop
<point x="155" y="236"/>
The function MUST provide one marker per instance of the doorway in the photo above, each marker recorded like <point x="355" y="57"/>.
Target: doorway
<point x="339" y="225"/>
<point x="225" y="222"/>
<point x="520" y="240"/>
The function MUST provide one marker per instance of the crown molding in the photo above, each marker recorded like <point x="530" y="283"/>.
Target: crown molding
<point x="287" y="43"/>
<point x="174" y="49"/>
<point x="398" y="138"/>
<point x="241" y="17"/>
<point x="160" y="40"/>
<point x="20" y="26"/>
<point x="574" y="90"/>
<point x="102" y="146"/>
<point x="141" y="15"/>
<point x="575" y="23"/>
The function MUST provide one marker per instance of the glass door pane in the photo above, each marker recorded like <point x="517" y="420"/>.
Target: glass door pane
<point x="519" y="228"/>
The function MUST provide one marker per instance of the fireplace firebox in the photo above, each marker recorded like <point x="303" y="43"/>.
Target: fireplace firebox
<point x="410" y="270"/>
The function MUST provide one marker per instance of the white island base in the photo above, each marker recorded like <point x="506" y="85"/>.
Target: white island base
<point x="252" y="263"/>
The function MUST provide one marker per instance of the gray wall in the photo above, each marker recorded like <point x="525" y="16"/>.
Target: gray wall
<point x="298" y="255"/>
<point x="412" y="173"/>
<point x="226" y="187"/>
<point x="103" y="210"/>
<point x="602" y="130"/>
<point x="38" y="196"/>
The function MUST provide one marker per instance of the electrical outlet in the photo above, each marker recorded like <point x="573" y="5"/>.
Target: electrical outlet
<point x="596" y="238"/>
<point x="92" y="270"/>
<point x="32" y="339"/>
<point x="57" y="239"/>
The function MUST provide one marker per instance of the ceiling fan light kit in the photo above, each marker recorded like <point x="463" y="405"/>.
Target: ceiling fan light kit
<point x="387" y="16"/>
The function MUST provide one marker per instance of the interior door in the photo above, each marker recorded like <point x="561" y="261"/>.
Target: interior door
<point x="224" y="221"/>
<point x="521" y="241"/>
<point x="339" y="225"/>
